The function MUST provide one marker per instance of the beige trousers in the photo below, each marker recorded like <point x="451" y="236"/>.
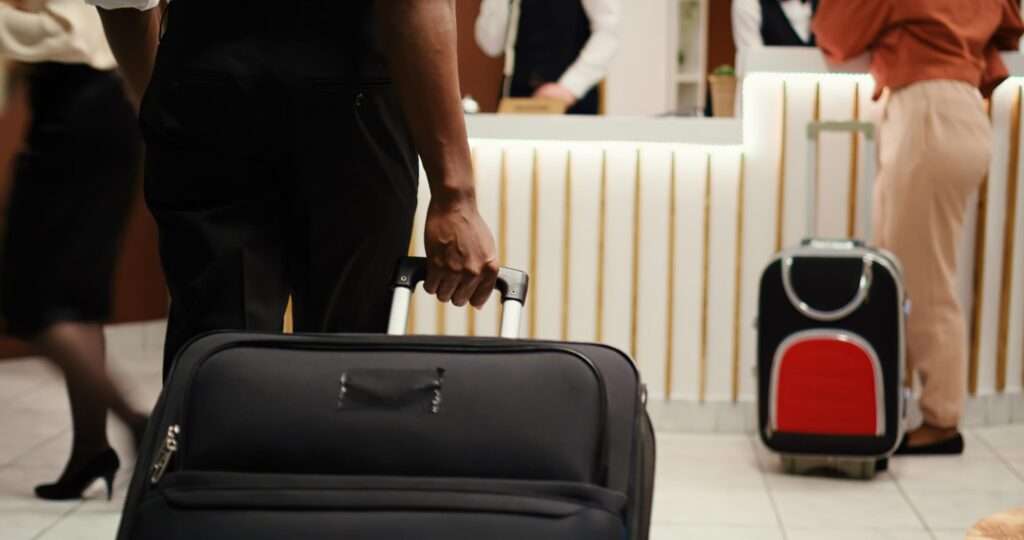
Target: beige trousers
<point x="935" y="147"/>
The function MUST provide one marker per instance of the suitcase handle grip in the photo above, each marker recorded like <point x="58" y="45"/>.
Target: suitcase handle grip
<point x="863" y="288"/>
<point x="411" y="271"/>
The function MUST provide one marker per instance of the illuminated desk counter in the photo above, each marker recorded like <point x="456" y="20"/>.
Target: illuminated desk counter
<point x="650" y="233"/>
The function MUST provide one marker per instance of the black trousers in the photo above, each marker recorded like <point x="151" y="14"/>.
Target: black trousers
<point x="74" y="183"/>
<point x="278" y="163"/>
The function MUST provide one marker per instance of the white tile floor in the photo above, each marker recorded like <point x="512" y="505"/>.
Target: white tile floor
<point x="709" y="487"/>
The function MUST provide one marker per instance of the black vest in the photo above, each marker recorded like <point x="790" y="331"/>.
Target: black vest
<point x="776" y="28"/>
<point x="551" y="36"/>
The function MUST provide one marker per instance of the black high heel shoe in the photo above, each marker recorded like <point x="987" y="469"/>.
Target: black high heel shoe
<point x="72" y="484"/>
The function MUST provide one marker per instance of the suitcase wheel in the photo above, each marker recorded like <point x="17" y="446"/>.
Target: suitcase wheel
<point x="860" y="469"/>
<point x="789" y="465"/>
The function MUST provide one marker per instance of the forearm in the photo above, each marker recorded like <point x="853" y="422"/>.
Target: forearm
<point x="133" y="36"/>
<point x="419" y="37"/>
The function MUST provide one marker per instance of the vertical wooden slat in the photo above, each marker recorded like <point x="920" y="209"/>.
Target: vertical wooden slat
<point x="635" y="299"/>
<point x="780" y="201"/>
<point x="288" y="324"/>
<point x="670" y="289"/>
<point x="851" y="218"/>
<point x="703" y="372"/>
<point x="980" y="237"/>
<point x="471" y="320"/>
<point x="1013" y="172"/>
<point x="817" y="161"/>
<point x="534" y="237"/>
<point x="503" y="219"/>
<point x="738" y="280"/>
<point x="567" y="245"/>
<point x="601" y="230"/>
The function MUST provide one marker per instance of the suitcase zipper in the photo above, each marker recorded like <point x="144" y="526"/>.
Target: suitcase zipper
<point x="163" y="457"/>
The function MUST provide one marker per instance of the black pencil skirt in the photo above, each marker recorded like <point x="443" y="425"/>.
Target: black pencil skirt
<point x="74" y="183"/>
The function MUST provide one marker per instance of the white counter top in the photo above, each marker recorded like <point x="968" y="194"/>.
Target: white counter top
<point x="702" y="131"/>
<point x="678" y="130"/>
<point x="810" y="60"/>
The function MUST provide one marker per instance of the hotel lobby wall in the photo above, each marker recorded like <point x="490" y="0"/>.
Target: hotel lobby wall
<point x="671" y="276"/>
<point x="610" y="278"/>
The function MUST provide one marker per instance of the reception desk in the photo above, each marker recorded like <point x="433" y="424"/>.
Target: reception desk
<point x="650" y="233"/>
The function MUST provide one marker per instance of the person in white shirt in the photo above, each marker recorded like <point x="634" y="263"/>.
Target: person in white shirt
<point x="283" y="142"/>
<point x="74" y="183"/>
<point x="556" y="49"/>
<point x="759" y="23"/>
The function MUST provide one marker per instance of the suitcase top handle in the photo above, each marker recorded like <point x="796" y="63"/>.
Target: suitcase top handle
<point x="863" y="288"/>
<point x="512" y="284"/>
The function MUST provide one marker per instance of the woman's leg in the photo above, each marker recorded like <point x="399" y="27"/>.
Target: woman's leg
<point x="79" y="350"/>
<point x="937" y="147"/>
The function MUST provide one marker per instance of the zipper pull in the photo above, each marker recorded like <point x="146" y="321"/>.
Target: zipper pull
<point x="163" y="458"/>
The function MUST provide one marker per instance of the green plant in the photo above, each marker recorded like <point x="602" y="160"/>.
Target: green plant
<point x="724" y="70"/>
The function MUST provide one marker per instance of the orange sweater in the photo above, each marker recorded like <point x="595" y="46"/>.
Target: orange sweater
<point x="918" y="40"/>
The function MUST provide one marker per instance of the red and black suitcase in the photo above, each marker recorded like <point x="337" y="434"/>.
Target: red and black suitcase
<point x="831" y="352"/>
<point x="268" y="437"/>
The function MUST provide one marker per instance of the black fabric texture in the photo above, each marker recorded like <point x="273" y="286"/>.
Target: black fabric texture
<point x="278" y="163"/>
<point x="518" y="423"/>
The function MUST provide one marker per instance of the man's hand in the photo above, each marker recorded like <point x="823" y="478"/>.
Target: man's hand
<point x="556" y="92"/>
<point x="462" y="265"/>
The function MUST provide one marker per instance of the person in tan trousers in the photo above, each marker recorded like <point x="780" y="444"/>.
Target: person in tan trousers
<point x="937" y="59"/>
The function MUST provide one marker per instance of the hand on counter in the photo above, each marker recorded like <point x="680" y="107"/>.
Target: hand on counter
<point x="556" y="92"/>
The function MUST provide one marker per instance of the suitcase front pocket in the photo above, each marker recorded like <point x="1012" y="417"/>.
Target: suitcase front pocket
<point x="827" y="382"/>
<point x="512" y="413"/>
<point x="252" y="506"/>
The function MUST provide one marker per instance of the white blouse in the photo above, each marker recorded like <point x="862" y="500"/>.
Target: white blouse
<point x="141" y="5"/>
<point x="65" y="31"/>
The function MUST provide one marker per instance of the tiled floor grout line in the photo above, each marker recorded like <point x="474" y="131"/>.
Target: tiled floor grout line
<point x="17" y="397"/>
<point x="57" y="521"/>
<point x="40" y="444"/>
<point x="998" y="454"/>
<point x="764" y="481"/>
<point x="910" y="503"/>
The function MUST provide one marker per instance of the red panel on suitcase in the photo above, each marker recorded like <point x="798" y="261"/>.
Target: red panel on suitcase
<point x="827" y="386"/>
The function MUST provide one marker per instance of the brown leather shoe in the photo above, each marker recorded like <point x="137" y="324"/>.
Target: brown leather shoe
<point x="952" y="446"/>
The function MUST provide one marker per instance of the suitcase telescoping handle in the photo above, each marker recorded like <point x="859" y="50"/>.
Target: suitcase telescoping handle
<point x="864" y="203"/>
<point x="867" y="166"/>
<point x="512" y="284"/>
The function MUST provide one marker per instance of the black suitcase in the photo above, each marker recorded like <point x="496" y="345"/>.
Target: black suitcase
<point x="261" y="437"/>
<point x="831" y="353"/>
